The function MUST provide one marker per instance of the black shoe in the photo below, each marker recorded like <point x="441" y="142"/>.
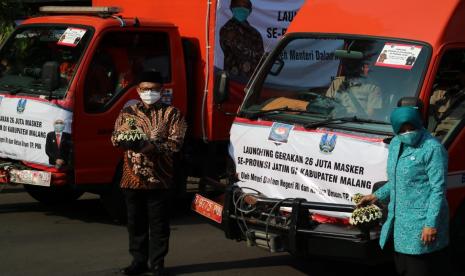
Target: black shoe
<point x="135" y="269"/>
<point x="159" y="270"/>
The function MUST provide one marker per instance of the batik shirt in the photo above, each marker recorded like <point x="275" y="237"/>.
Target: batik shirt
<point x="164" y="126"/>
<point x="242" y="46"/>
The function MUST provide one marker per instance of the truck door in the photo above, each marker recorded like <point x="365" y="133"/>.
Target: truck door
<point x="447" y="123"/>
<point x="105" y="87"/>
<point x="447" y="117"/>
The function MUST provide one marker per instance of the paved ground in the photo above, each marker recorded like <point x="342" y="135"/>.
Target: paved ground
<point x="80" y="239"/>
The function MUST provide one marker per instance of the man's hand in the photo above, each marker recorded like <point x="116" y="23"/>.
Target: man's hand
<point x="147" y="147"/>
<point x="59" y="163"/>
<point x="126" y="145"/>
<point x="366" y="200"/>
<point x="428" y="235"/>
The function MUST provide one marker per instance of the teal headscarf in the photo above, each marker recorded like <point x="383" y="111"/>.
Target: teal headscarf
<point x="405" y="114"/>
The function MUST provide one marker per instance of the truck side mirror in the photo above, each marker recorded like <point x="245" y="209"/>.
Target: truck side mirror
<point x="51" y="75"/>
<point x="277" y="67"/>
<point x="221" y="91"/>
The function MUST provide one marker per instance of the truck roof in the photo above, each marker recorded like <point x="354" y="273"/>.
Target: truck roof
<point x="434" y="22"/>
<point x="94" y="21"/>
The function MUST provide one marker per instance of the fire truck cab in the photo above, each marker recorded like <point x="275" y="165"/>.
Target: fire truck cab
<point x="77" y="67"/>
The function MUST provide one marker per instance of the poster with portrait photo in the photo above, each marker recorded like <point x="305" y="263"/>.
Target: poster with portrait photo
<point x="26" y="123"/>
<point x="241" y="36"/>
<point x="245" y="30"/>
<point x="401" y="56"/>
<point x="71" y="37"/>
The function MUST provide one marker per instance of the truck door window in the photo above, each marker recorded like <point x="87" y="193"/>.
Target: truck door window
<point x="119" y="58"/>
<point x="447" y="101"/>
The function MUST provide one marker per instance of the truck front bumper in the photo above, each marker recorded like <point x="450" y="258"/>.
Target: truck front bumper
<point x="297" y="233"/>
<point x="18" y="173"/>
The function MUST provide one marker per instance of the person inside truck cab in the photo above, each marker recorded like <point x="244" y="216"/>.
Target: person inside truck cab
<point x="67" y="64"/>
<point x="241" y="43"/>
<point x="357" y="94"/>
<point x="446" y="102"/>
<point x="446" y="95"/>
<point x="9" y="65"/>
<point x="5" y="66"/>
<point x="127" y="78"/>
<point x="100" y="82"/>
<point x="58" y="145"/>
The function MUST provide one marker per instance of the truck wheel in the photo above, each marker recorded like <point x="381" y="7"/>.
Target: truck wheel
<point x="113" y="200"/>
<point x="457" y="237"/>
<point x="53" y="195"/>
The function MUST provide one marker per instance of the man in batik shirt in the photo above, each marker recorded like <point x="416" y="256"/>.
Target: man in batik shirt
<point x="150" y="133"/>
<point x="241" y="43"/>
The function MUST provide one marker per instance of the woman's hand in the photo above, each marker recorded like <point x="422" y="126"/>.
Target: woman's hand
<point x="428" y="235"/>
<point x="366" y="200"/>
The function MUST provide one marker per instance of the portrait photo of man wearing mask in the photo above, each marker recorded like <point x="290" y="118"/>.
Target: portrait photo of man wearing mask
<point x="241" y="43"/>
<point x="58" y="145"/>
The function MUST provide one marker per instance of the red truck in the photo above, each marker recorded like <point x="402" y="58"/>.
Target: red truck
<point x="75" y="67"/>
<point x="313" y="129"/>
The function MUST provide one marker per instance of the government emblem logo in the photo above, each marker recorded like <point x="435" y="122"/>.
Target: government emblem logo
<point x="328" y="143"/>
<point x="280" y="132"/>
<point x="21" y="105"/>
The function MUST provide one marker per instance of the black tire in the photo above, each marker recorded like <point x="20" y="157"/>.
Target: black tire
<point x="457" y="238"/>
<point x="53" y="195"/>
<point x="113" y="199"/>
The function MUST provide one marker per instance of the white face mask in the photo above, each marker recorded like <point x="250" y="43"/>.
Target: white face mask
<point x="150" y="96"/>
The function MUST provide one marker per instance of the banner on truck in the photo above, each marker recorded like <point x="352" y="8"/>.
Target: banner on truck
<point x="282" y="161"/>
<point x="245" y="30"/>
<point x="29" y="131"/>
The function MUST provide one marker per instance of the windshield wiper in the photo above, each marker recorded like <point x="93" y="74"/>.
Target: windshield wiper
<point x="12" y="90"/>
<point x="252" y="115"/>
<point x="353" y="119"/>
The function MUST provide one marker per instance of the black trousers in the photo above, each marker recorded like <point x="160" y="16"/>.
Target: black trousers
<point x="148" y="225"/>
<point x="433" y="264"/>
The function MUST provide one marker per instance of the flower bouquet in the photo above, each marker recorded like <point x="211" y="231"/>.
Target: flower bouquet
<point x="365" y="217"/>
<point x="130" y="136"/>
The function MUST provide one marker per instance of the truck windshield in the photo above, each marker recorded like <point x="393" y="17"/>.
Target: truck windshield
<point x="29" y="48"/>
<point x="326" y="78"/>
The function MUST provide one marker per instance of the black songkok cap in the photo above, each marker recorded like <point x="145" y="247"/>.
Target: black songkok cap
<point x="241" y="3"/>
<point x="150" y="76"/>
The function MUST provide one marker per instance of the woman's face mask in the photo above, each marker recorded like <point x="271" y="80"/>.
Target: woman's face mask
<point x="150" y="96"/>
<point x="410" y="138"/>
<point x="240" y="13"/>
<point x="59" y="128"/>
